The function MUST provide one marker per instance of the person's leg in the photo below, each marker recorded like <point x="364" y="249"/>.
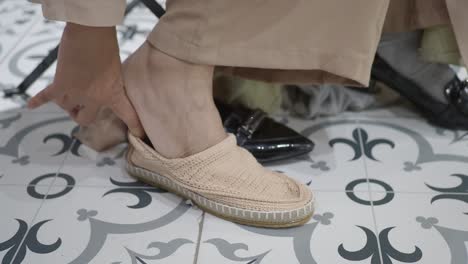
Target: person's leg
<point x="191" y="153"/>
<point x="174" y="100"/>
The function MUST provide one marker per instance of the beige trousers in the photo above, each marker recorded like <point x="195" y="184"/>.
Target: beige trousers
<point x="295" y="41"/>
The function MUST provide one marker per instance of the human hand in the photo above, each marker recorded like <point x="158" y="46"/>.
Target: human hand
<point x="88" y="77"/>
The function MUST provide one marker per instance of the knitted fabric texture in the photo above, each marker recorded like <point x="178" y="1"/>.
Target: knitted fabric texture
<point x="227" y="174"/>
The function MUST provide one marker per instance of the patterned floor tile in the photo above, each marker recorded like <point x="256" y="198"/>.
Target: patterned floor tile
<point x="48" y="108"/>
<point x="423" y="228"/>
<point x="338" y="229"/>
<point x="8" y="104"/>
<point x="95" y="212"/>
<point x="16" y="19"/>
<point x="103" y="225"/>
<point x="45" y="35"/>
<point x="34" y="145"/>
<point x="136" y="27"/>
<point x="409" y="155"/>
<point x="335" y="161"/>
<point x="89" y="168"/>
<point x="7" y="119"/>
<point x="17" y="210"/>
<point x="41" y="39"/>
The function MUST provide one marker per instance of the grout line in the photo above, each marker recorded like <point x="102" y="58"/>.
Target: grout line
<point x="200" y="230"/>
<point x="374" y="217"/>
<point x="42" y="203"/>
<point x="2" y="59"/>
<point x="59" y="170"/>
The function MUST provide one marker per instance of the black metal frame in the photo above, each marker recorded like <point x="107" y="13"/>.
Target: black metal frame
<point x="22" y="88"/>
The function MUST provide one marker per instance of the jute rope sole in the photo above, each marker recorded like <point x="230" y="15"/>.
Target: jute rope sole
<point x="280" y="219"/>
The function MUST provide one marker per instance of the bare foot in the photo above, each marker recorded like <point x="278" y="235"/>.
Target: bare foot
<point x="174" y="102"/>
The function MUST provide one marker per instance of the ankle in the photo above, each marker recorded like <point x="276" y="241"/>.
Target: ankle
<point x="174" y="101"/>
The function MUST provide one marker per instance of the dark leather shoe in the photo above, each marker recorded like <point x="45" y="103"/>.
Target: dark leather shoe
<point x="265" y="138"/>
<point x="452" y="115"/>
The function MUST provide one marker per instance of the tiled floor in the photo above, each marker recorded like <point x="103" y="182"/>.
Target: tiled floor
<point x="390" y="188"/>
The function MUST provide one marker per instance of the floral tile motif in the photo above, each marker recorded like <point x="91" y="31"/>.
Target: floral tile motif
<point x="339" y="228"/>
<point x="98" y="225"/>
<point x="418" y="157"/>
<point x="91" y="188"/>
<point x="33" y="145"/>
<point x="17" y="213"/>
<point x="336" y="159"/>
<point x="390" y="187"/>
<point x="89" y="168"/>
<point x="422" y="229"/>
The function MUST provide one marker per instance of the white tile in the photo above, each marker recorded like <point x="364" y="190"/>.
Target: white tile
<point x="334" y="224"/>
<point x="92" y="193"/>
<point x="42" y="36"/>
<point x="7" y="120"/>
<point x="48" y="108"/>
<point x="25" y="56"/>
<point x="19" y="105"/>
<point x="33" y="146"/>
<point x="45" y="35"/>
<point x="421" y="154"/>
<point x="16" y="19"/>
<point x="136" y="27"/>
<point x="327" y="167"/>
<point x="436" y="228"/>
<point x="97" y="228"/>
<point x="99" y="169"/>
<point x="8" y="104"/>
<point x="17" y="212"/>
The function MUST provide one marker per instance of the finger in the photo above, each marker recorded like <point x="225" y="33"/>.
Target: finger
<point x="123" y="109"/>
<point x="70" y="109"/>
<point x="69" y="103"/>
<point x="41" y="98"/>
<point x="87" y="114"/>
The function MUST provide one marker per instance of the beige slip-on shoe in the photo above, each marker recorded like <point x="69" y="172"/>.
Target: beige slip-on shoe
<point x="225" y="180"/>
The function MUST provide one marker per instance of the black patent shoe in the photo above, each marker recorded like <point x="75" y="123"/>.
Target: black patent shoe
<point x="451" y="115"/>
<point x="262" y="136"/>
<point x="456" y="91"/>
